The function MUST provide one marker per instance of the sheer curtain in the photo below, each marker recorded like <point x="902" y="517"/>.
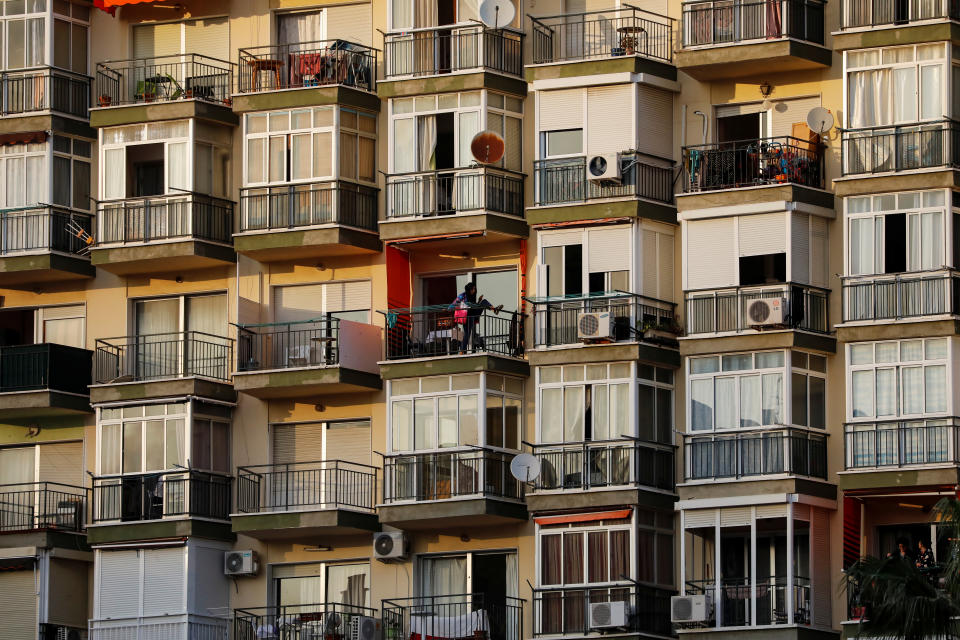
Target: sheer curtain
<point x="444" y="576"/>
<point x="912" y="378"/>
<point x="573" y="409"/>
<point x="349" y="584"/>
<point x="297" y="28"/>
<point x="772" y="398"/>
<point x="862" y="382"/>
<point x="178" y="175"/>
<point x="114" y="185"/>
<point x="750" y="402"/>
<point x="701" y="393"/>
<point x="17" y="465"/>
<point x="886" y="392"/>
<point x="935" y="388"/>
<point x="871" y="98"/>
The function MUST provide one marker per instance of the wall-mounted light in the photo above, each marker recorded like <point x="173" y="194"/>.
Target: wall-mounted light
<point x="766" y="89"/>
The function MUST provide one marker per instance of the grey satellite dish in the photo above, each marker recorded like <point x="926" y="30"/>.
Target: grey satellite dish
<point x="496" y="14"/>
<point x="525" y="467"/>
<point x="820" y="120"/>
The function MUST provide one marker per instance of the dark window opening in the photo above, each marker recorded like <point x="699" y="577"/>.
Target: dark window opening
<point x="735" y="128"/>
<point x="764" y="269"/>
<point x="145" y="170"/>
<point x="16" y="327"/>
<point x="573" y="270"/>
<point x="895" y="247"/>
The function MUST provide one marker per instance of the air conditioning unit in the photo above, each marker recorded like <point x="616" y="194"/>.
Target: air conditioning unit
<point x="390" y="546"/>
<point x="60" y="632"/>
<point x="766" y="312"/>
<point x="608" y="615"/>
<point x="594" y="326"/>
<point x="240" y="563"/>
<point x="691" y="608"/>
<point x="365" y="628"/>
<point x="604" y="168"/>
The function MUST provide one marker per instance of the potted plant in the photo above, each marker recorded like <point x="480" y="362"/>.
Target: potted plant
<point x="104" y="100"/>
<point x="629" y="44"/>
<point x="665" y="331"/>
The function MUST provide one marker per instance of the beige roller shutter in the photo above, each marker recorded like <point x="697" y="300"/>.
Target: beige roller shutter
<point x="62" y="463"/>
<point x="349" y="441"/>
<point x="727" y="110"/>
<point x="772" y="511"/>
<point x="297" y="443"/>
<point x="819" y="263"/>
<point x="68" y="592"/>
<point x="763" y="234"/>
<point x="657" y="260"/>
<point x="711" y="257"/>
<point x="119" y="584"/>
<point x="346" y="296"/>
<point x="560" y="238"/>
<point x="302" y="570"/>
<point x="561" y="109"/>
<point x="699" y="518"/>
<point x="298" y="303"/>
<point x="649" y="260"/>
<point x="786" y="113"/>
<point x="655" y="114"/>
<point x="351" y="22"/>
<point x="210" y="37"/>
<point x="153" y="40"/>
<point x="737" y="517"/>
<point x="666" y="243"/>
<point x="608" y="118"/>
<point x="820" y="559"/>
<point x="800" y="247"/>
<point x="608" y="250"/>
<point x="18" y="604"/>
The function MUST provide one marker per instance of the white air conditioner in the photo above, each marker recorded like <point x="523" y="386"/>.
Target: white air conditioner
<point x="390" y="546"/>
<point x="240" y="563"/>
<point x="604" y="168"/>
<point x="608" y="615"/>
<point x="594" y="326"/>
<point x="365" y="628"/>
<point x="766" y="312"/>
<point x="691" y="608"/>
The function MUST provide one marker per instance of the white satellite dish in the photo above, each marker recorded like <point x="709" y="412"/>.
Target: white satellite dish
<point x="496" y="14"/>
<point x="820" y="120"/>
<point x="525" y="467"/>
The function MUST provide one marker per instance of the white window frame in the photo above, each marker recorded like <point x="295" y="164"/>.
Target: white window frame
<point x="145" y="139"/>
<point x="324" y="568"/>
<point x="630" y="380"/>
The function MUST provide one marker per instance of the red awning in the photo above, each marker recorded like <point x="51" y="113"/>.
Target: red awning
<point x="585" y="517"/>
<point x="110" y="6"/>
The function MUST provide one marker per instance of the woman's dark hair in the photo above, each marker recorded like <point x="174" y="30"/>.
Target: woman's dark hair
<point x="470" y="289"/>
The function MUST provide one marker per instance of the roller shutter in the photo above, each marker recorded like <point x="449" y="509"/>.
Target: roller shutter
<point x="655" y="114"/>
<point x="763" y="234"/>
<point x="346" y="296"/>
<point x="657" y="261"/>
<point x="608" y="109"/>
<point x="350" y="22"/>
<point x="119" y="584"/>
<point x="297" y="443"/>
<point x="699" y="519"/>
<point x="18" y="603"/>
<point x="62" y="463"/>
<point x="737" y="517"/>
<point x="711" y="254"/>
<point x="608" y="250"/>
<point x="68" y="592"/>
<point x="772" y="511"/>
<point x="786" y="113"/>
<point x="800" y="247"/>
<point x="665" y="244"/>
<point x="820" y="558"/>
<point x="303" y="570"/>
<point x="819" y="263"/>
<point x="154" y="40"/>
<point x="560" y="238"/>
<point x="307" y="302"/>
<point x="209" y="37"/>
<point x="561" y="109"/>
<point x="349" y="441"/>
<point x="727" y="110"/>
<point x="164" y="584"/>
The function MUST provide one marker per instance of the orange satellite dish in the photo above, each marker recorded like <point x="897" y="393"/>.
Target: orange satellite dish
<point x="487" y="147"/>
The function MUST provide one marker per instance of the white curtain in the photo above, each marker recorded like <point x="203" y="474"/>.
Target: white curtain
<point x="17" y="465"/>
<point x="751" y="413"/>
<point x="701" y="393"/>
<point x="304" y="27"/>
<point x="620" y="410"/>
<point x="726" y="394"/>
<point x="178" y="174"/>
<point x="403" y="141"/>
<point x="349" y="584"/>
<point x="110" y="449"/>
<point x="425" y="13"/>
<point x="402" y="14"/>
<point x="861" y="246"/>
<point x="600" y="412"/>
<point x="573" y="414"/>
<point x="68" y="331"/>
<point x="427" y="143"/>
<point x="158" y="316"/>
<point x="886" y="392"/>
<point x="513" y="591"/>
<point x="931" y="242"/>
<point x="871" y="96"/>
<point x="551" y="415"/>
<point x="36" y="44"/>
<point x="905" y="97"/>
<point x="176" y="443"/>
<point x="862" y="394"/>
<point x="114" y="186"/>
<point x="256" y="169"/>
<point x="931" y="103"/>
<point x="912" y="378"/>
<point x="772" y="398"/>
<point x="935" y="388"/>
<point x="207" y="314"/>
<point x="36" y="180"/>
<point x="16" y="182"/>
<point x="468" y="127"/>
<point x="444" y="576"/>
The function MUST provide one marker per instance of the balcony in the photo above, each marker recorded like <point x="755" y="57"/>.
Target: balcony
<point x="309" y="220"/>
<point x="484" y="202"/>
<point x="739" y="39"/>
<point x="752" y="163"/>
<point x="186" y="625"/>
<point x="566" y="612"/>
<point x="183" y="231"/>
<point x="880" y="23"/>
<point x="36" y="246"/>
<point x="471" y="615"/>
<point x="459" y="488"/>
<point x="36" y="506"/>
<point x="754" y="454"/>
<point x="900" y="148"/>
<point x="44" y="380"/>
<point x="725" y="311"/>
<point x="901" y="296"/>
<point x="773" y="596"/>
<point x="903" y="443"/>
<point x="298" y="622"/>
<point x="33" y="91"/>
<point x="311" y="499"/>
<point x="159" y="496"/>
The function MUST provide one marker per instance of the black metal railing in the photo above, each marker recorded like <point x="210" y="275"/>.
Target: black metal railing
<point x="604" y="464"/>
<point x="901" y="148"/>
<point x="440" y="476"/>
<point x="299" y="621"/>
<point x="470" y="615"/>
<point x="187" y="76"/>
<point x="440" y="193"/>
<point x="42" y="505"/>
<point x="438" y="50"/>
<point x="432" y="332"/>
<point x="902" y="443"/>
<point x="319" y="63"/>
<point x="162" y="355"/>
<point x="726" y="310"/>
<point x="557" y="320"/>
<point x="870" y="13"/>
<point x="148" y="219"/>
<point x="749" y="163"/>
<point x="42" y="228"/>
<point x="56" y="367"/>
<point x="736" y="596"/>
<point x="725" y="23"/>
<point x="301" y="486"/>
<point x="564" y="611"/>
<point x="901" y="295"/>
<point x="626" y="31"/>
<point x="154" y="496"/>
<point x="43" y="89"/>
<point x="755" y="453"/>
<point x="565" y="180"/>
<point x="288" y="345"/>
<point x="303" y="205"/>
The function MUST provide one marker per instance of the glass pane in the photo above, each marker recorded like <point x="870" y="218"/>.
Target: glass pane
<point x="176" y="445"/>
<point x="573" y="414"/>
<point x="551" y="415"/>
<point x="447" y="417"/>
<point x="132" y="447"/>
<point x="701" y="394"/>
<point x="153" y="436"/>
<point x="424" y="424"/>
<point x="402" y="433"/>
<point x="468" y="421"/>
<point x="494" y="420"/>
<point x="511" y="422"/>
<point x="200" y="444"/>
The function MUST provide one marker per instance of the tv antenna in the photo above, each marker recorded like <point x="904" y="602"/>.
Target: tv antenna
<point x="487" y="147"/>
<point x="496" y="14"/>
<point x="820" y="120"/>
<point x="525" y="467"/>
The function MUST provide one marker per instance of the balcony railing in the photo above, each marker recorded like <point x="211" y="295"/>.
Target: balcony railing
<point x="298" y="622"/>
<point x="57" y="367"/>
<point x="293" y="206"/>
<point x="870" y="13"/>
<point x="429" y="332"/>
<point x="306" y="486"/>
<point x="45" y="89"/>
<point x="288" y="345"/>
<point x="470" y="615"/>
<point x="42" y="505"/>
<point x="556" y="318"/>
<point x="175" y="77"/>
<point x="443" y="193"/>
<point x="449" y="49"/>
<point x="149" y="219"/>
<point x="901" y="295"/>
<point x="565" y="180"/>
<point x="441" y="476"/>
<point x="155" y="496"/>
<point x="731" y="22"/>
<point x="751" y="163"/>
<point x="902" y="443"/>
<point x="567" y="611"/>
<point x="163" y="355"/>
<point x="321" y="63"/>
<point x="726" y="310"/>
<point x="604" y="465"/>
<point x="733" y="608"/>
<point x="626" y="31"/>
<point x="744" y="455"/>
<point x="165" y="627"/>
<point x="41" y="229"/>
<point x="901" y="148"/>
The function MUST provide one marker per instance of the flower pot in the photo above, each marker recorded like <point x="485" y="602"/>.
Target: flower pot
<point x="105" y="101"/>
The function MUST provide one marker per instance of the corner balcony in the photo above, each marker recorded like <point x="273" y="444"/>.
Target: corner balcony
<point x="43" y="93"/>
<point x="765" y="601"/>
<point x="36" y="246"/>
<point x="755" y="454"/>
<point x="896" y="297"/>
<point x="724" y="311"/>
<point x="459" y="488"/>
<point x="160" y="234"/>
<point x="332" y="620"/>
<point x="307" y="220"/>
<point x="753" y="163"/>
<point x="185" y="625"/>
<point x="483" y="203"/>
<point x="469" y="615"/>
<point x="566" y="612"/>
<point x="878" y="23"/>
<point x="729" y="40"/>
<point x="42" y="506"/>
<point x="44" y="380"/>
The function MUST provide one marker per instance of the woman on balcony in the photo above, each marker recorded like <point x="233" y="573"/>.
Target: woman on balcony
<point x="469" y="308"/>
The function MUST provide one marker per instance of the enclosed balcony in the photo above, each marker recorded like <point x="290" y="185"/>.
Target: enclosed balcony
<point x="603" y="465"/>
<point x="900" y="148"/>
<point x="566" y="612"/>
<point x="865" y="23"/>
<point x="37" y="245"/>
<point x="470" y="615"/>
<point x="769" y="452"/>
<point x="298" y="622"/>
<point x="41" y="506"/>
<point x="893" y="444"/>
<point x="804" y="308"/>
<point x="633" y="318"/>
<point x="751" y="163"/>
<point x="901" y="296"/>
<point x="450" y="50"/>
<point x="184" y="625"/>
<point x="160" y="496"/>
<point x="40" y="380"/>
<point x="33" y="91"/>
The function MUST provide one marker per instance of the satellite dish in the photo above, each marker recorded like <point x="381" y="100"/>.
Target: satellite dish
<point x="487" y="147"/>
<point x="820" y="120"/>
<point x="525" y="467"/>
<point x="496" y="14"/>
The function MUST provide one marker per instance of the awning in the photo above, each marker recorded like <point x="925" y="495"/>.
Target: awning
<point x="585" y="517"/>
<point x="110" y="6"/>
<point x="28" y="137"/>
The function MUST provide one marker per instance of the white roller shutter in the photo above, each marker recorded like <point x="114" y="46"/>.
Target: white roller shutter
<point x="18" y="603"/>
<point x="786" y="113"/>
<point x="346" y="296"/>
<point x="819" y="262"/>
<point x="351" y="22"/>
<point x="699" y="518"/>
<point x="608" y="118"/>
<point x="561" y="109"/>
<point x="711" y="253"/>
<point x="62" y="463"/>
<point x="154" y="40"/>
<point x="164" y="583"/>
<point x="349" y="441"/>
<point x="559" y="238"/>
<point x="118" y="577"/>
<point x="608" y="250"/>
<point x="763" y="234"/>
<point x="210" y="37"/>
<point x="800" y="247"/>
<point x="727" y="110"/>
<point x="655" y="114"/>
<point x="737" y="517"/>
<point x="297" y="443"/>
<point x="298" y="303"/>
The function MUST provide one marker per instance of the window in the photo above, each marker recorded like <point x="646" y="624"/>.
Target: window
<point x="25" y="171"/>
<point x="70" y="36"/>
<point x="585" y="402"/>
<point x="898" y="378"/>
<point x="585" y="553"/>
<point x="23" y="37"/>
<point x="655" y="403"/>
<point x="589" y="261"/>
<point x="300" y="587"/>
<point x="895" y="85"/>
<point x="568" y="142"/>
<point x="809" y="388"/>
<point x="407" y="14"/>
<point x="449" y="577"/>
<point x="71" y="172"/>
<point x="299" y="27"/>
